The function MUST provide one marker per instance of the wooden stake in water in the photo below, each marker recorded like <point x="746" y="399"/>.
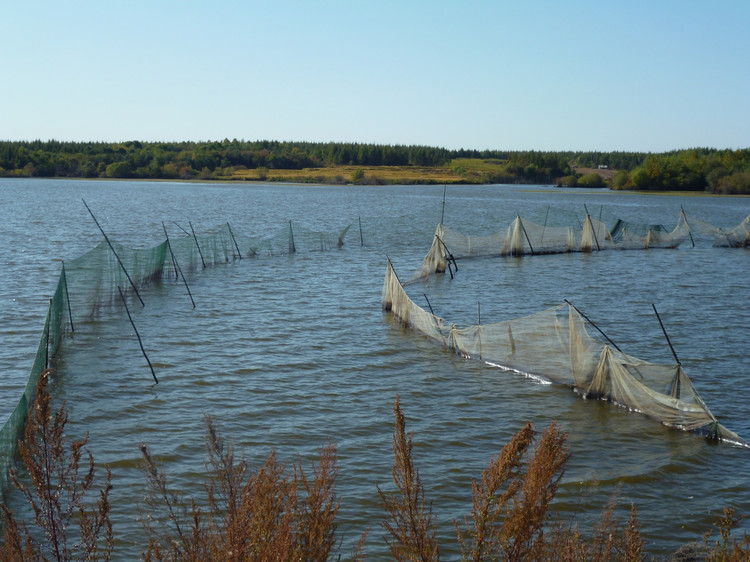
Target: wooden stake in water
<point x="115" y="253"/>
<point x="394" y="270"/>
<point x="593" y="230"/>
<point x="182" y="229"/>
<point x="449" y="255"/>
<point x="665" y="334"/>
<point x="292" y="247"/>
<point x="586" y="318"/>
<point x="428" y="304"/>
<point x="137" y="335"/>
<point x="67" y="297"/>
<point x="525" y="234"/>
<point x="544" y="227"/>
<point x="235" y="241"/>
<point x="361" y="239"/>
<point x="682" y="210"/>
<point x="442" y="214"/>
<point x="178" y="269"/>
<point x="479" y="327"/>
<point x="197" y="245"/>
<point x="46" y="334"/>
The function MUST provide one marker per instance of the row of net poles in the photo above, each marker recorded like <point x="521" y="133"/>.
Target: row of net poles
<point x="132" y="284"/>
<point x="178" y="273"/>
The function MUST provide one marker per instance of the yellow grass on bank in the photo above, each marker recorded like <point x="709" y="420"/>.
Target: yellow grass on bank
<point x="458" y="171"/>
<point x="355" y="174"/>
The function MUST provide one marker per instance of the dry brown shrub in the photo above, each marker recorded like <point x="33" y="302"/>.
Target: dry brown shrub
<point x="250" y="515"/>
<point x="273" y="513"/>
<point x="67" y="525"/>
<point x="728" y="548"/>
<point x="511" y="502"/>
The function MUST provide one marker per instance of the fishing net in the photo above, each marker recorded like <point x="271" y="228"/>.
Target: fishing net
<point x="111" y="273"/>
<point x="525" y="237"/>
<point x="732" y="237"/>
<point x="555" y="345"/>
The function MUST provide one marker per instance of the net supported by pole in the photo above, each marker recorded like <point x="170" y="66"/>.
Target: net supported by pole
<point x="526" y="237"/>
<point x="555" y="345"/>
<point x="91" y="283"/>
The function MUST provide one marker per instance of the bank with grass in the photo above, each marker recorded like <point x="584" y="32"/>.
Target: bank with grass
<point x="724" y="171"/>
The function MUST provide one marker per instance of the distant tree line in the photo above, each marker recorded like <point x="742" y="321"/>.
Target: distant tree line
<point x="702" y="169"/>
<point x="187" y="160"/>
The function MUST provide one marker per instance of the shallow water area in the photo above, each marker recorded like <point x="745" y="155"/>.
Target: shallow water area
<point x="287" y="351"/>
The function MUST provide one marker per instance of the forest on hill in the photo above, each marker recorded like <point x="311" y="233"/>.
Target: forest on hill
<point x="699" y="169"/>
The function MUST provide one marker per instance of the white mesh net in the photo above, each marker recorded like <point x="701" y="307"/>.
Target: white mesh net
<point x="555" y="345"/>
<point x="524" y="237"/>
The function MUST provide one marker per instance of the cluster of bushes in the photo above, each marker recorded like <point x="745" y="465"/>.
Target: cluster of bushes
<point x="714" y="171"/>
<point x="709" y="170"/>
<point x="582" y="180"/>
<point x="273" y="513"/>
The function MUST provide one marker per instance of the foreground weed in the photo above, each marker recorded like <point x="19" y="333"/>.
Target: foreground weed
<point x="485" y="538"/>
<point x="67" y="525"/>
<point x="268" y="514"/>
<point x="727" y="548"/>
<point x="410" y="522"/>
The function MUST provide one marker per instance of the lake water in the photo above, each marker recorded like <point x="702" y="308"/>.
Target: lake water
<point x="287" y="351"/>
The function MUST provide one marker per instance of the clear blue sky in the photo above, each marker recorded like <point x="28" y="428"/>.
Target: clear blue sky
<point x="649" y="75"/>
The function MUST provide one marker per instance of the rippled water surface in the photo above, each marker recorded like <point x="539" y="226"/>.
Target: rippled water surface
<point x="287" y="351"/>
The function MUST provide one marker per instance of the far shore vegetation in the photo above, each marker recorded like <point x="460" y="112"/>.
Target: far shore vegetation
<point x="707" y="170"/>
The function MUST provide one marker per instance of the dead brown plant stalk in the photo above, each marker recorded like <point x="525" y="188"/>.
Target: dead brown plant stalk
<point x="66" y="524"/>
<point x="483" y="540"/>
<point x="728" y="548"/>
<point x="609" y="542"/>
<point x="267" y="514"/>
<point x="522" y="533"/>
<point x="410" y="522"/>
<point x="511" y="502"/>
